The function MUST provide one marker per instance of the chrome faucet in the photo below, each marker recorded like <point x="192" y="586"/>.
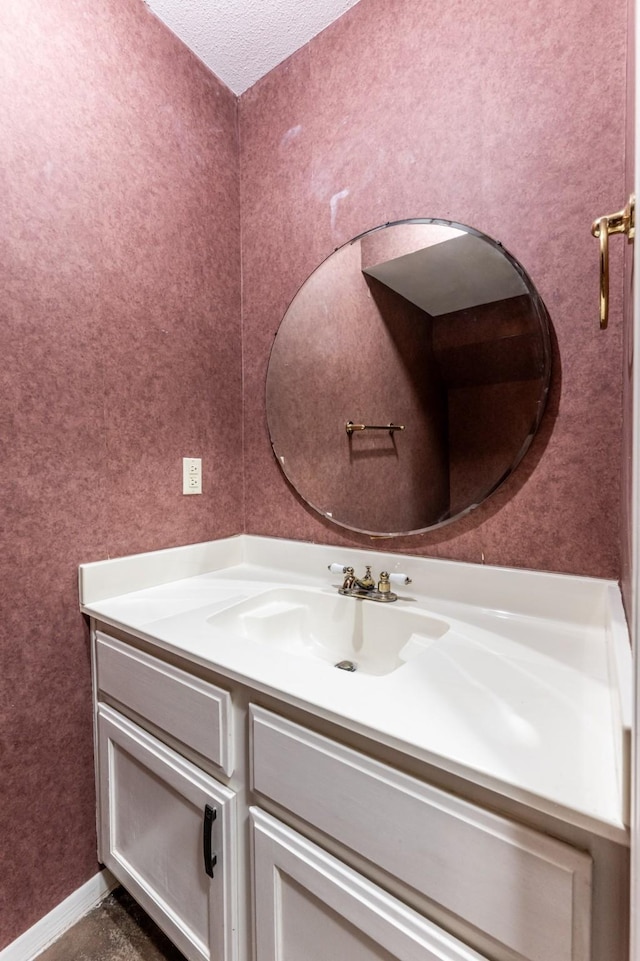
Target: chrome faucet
<point x="365" y="587"/>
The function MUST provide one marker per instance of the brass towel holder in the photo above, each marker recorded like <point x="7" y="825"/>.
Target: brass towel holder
<point x="622" y="222"/>
<point x="350" y="427"/>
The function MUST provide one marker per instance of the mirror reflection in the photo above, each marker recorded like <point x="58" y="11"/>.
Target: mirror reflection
<point x="408" y="377"/>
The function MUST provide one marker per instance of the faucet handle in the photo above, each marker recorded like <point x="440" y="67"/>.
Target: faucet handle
<point x="400" y="579"/>
<point x="337" y="568"/>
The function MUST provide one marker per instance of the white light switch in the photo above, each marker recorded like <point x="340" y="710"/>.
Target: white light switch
<point x="191" y="475"/>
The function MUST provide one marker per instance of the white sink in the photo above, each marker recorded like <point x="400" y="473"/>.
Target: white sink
<point x="372" y="637"/>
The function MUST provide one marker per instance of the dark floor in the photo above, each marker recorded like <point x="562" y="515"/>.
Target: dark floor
<point x="117" y="930"/>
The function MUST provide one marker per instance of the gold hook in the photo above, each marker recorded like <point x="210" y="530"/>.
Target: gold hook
<point x="622" y="222"/>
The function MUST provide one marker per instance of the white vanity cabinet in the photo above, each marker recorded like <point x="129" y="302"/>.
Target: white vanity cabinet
<point x="319" y="850"/>
<point x="167" y="829"/>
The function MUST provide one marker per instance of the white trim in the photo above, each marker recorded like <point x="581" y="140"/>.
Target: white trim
<point x="49" y="928"/>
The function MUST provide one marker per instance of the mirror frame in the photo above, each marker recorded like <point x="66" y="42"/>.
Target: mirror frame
<point x="538" y="309"/>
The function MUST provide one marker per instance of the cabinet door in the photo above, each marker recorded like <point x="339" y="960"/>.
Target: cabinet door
<point x="311" y="906"/>
<point x="530" y="892"/>
<point x="168" y="835"/>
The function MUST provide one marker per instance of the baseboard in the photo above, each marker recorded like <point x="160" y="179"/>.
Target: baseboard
<point x="52" y="925"/>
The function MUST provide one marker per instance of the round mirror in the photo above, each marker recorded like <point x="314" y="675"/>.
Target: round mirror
<point x="408" y="377"/>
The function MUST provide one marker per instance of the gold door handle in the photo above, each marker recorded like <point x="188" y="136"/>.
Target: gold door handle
<point x="622" y="222"/>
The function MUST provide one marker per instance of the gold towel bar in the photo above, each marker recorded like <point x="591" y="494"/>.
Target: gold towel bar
<point x="622" y="222"/>
<point x="351" y="427"/>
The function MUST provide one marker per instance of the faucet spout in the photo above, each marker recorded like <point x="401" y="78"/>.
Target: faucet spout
<point x="367" y="582"/>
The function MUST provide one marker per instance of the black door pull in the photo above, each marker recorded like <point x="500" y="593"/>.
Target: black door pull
<point x="209" y="857"/>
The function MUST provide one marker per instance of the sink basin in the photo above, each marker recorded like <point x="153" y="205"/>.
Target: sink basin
<point x="370" y="637"/>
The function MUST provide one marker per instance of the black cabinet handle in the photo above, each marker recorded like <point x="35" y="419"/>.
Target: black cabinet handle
<point x="207" y="830"/>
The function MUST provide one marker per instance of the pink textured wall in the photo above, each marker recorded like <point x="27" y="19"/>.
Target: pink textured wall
<point x="475" y="113"/>
<point x="120" y="335"/>
<point x="120" y="353"/>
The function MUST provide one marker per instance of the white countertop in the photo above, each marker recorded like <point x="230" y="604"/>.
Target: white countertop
<point x="528" y="692"/>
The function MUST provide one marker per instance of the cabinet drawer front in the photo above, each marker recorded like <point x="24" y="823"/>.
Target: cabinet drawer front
<point x="191" y="710"/>
<point x="526" y="890"/>
<point x="309" y="905"/>
<point x="167" y="832"/>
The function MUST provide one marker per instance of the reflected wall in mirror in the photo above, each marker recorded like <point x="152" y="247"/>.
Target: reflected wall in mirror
<point x="426" y="325"/>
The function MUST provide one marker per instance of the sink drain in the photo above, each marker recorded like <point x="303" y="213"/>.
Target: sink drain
<point x="346" y="666"/>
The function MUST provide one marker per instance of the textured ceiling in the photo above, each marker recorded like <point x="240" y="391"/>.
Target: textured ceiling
<point x="242" y="40"/>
